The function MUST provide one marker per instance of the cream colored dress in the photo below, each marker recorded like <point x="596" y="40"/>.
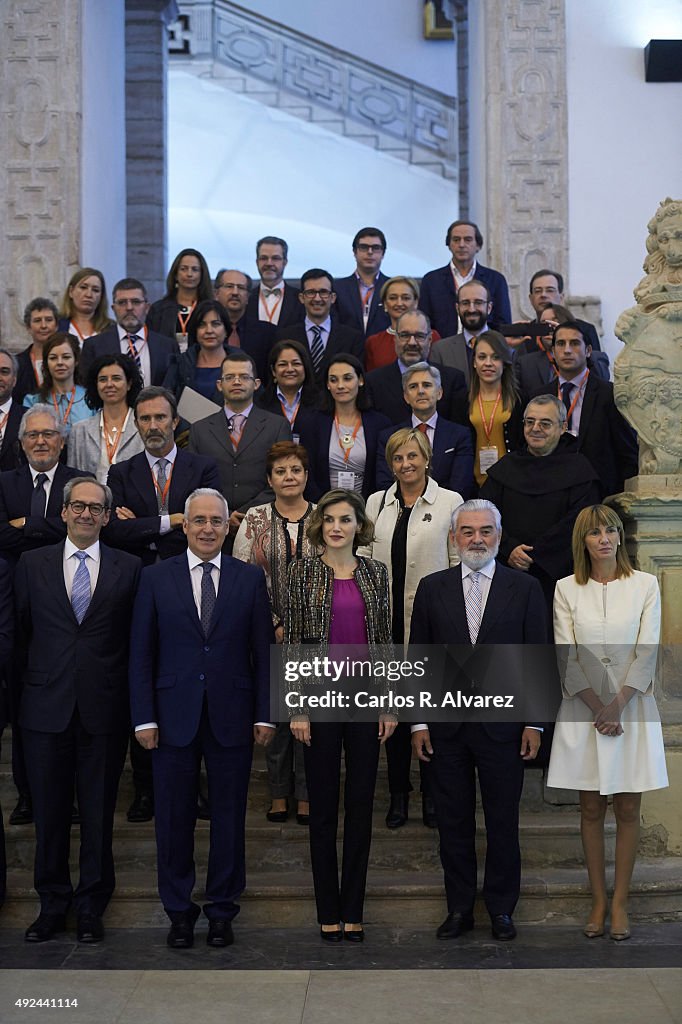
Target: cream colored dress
<point x="607" y="636"/>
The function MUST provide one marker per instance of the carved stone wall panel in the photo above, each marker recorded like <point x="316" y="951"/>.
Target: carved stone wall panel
<point x="39" y="154"/>
<point x="279" y="67"/>
<point x="526" y="140"/>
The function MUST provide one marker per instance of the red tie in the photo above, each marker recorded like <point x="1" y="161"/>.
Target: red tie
<point x="423" y="428"/>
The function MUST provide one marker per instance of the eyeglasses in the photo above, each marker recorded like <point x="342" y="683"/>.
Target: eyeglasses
<point x="472" y="303"/>
<point x="94" y="507"/>
<point x="228" y="378"/>
<point x="230" y="287"/>
<point x="406" y="335"/>
<point x="364" y="247"/>
<point x="269" y="259"/>
<point x="217" y="522"/>
<point x="530" y="422"/>
<point x="310" y="293"/>
<point x="124" y="303"/>
<point x="47" y="435"/>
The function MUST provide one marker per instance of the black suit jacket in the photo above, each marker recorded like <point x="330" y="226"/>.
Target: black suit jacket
<point x="256" y="337"/>
<point x="437" y="298"/>
<point x="132" y="486"/>
<point x="16" y="491"/>
<point x="605" y="438"/>
<point x="348" y="307"/>
<point x="385" y="388"/>
<point x="161" y="351"/>
<point x="340" y="339"/>
<point x="26" y="380"/>
<point x="452" y="463"/>
<point x="373" y="423"/>
<point x="67" y="666"/>
<point x="11" y="452"/>
<point x="514" y="616"/>
<point x="291" y="310"/>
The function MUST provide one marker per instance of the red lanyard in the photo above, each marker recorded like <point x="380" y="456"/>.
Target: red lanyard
<point x="294" y="414"/>
<point x="112" y="446"/>
<point x="181" y="319"/>
<point x="34" y="362"/>
<point x="163" y="494"/>
<point x="75" y="327"/>
<point x="488" y="427"/>
<point x="132" y="349"/>
<point x="346" y="448"/>
<point x="576" y="396"/>
<point x="270" y="313"/>
<point x="65" y="418"/>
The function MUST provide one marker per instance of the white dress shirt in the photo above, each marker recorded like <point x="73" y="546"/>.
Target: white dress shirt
<point x="142" y="349"/>
<point x="47" y="486"/>
<point x="430" y="426"/>
<point x="71" y="564"/>
<point x="153" y="461"/>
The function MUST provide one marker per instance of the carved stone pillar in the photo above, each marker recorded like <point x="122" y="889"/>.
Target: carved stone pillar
<point x="40" y="154"/>
<point x="519" y="172"/>
<point x="146" y="141"/>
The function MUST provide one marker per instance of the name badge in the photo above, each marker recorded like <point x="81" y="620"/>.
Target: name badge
<point x="488" y="457"/>
<point x="346" y="480"/>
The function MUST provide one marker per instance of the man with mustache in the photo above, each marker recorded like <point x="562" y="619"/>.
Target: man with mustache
<point x="474" y="306"/>
<point x="273" y="301"/>
<point x="149" y="493"/>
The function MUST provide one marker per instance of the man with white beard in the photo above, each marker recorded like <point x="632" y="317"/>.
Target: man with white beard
<point x="478" y="603"/>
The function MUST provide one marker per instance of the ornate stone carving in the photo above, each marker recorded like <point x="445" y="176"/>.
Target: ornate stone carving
<point x="526" y="139"/>
<point x="312" y="80"/>
<point x="39" y="154"/>
<point x="648" y="372"/>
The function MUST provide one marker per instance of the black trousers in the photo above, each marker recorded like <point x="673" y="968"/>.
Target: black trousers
<point x="360" y="745"/>
<point x="399" y="760"/>
<point x="53" y="760"/>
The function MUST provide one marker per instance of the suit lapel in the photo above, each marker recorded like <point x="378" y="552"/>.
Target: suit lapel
<point x="500" y="593"/>
<point x="589" y="401"/>
<point x="452" y="599"/>
<point x="141" y="478"/>
<point x="221" y="432"/>
<point x="180" y="482"/>
<point x="107" y="580"/>
<point x="184" y="584"/>
<point x="252" y="428"/>
<point x="56" y="499"/>
<point x="53" y="569"/>
<point x="225" y="589"/>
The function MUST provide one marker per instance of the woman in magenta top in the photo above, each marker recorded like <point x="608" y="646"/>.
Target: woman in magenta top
<point x="339" y="598"/>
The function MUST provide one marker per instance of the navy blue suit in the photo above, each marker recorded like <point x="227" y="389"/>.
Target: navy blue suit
<point x="162" y="349"/>
<point x="452" y="464"/>
<point x="348" y="306"/>
<point x="343" y="339"/>
<point x="16" y="489"/>
<point x="514" y="615"/>
<point x="385" y="389"/>
<point x="205" y="693"/>
<point x="373" y="423"/>
<point x="437" y="298"/>
<point x="132" y="486"/>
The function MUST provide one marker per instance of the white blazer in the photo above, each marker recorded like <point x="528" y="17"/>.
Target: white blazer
<point x="429" y="545"/>
<point x="85" y="446"/>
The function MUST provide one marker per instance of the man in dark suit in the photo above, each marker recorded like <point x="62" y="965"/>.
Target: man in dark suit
<point x="439" y="287"/>
<point x="413" y="345"/>
<point x="74" y="604"/>
<point x="232" y="290"/>
<point x="273" y="301"/>
<point x="323" y="338"/>
<point x="11" y="412"/>
<point x="358" y="296"/>
<point x="199" y="687"/>
<point x="6" y="638"/>
<point x="239" y="437"/>
<point x="473" y="308"/>
<point x="452" y="462"/>
<point x="547" y="289"/>
<point x="604" y="437"/>
<point x="30" y="517"/>
<point x="149" y="493"/>
<point x="479" y="602"/>
<point x="151" y="352"/>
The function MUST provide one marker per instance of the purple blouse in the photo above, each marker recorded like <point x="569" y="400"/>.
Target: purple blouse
<point x="348" y="624"/>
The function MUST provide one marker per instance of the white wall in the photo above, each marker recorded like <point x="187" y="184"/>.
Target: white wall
<point x="386" y="32"/>
<point x="103" y="182"/>
<point x="625" y="144"/>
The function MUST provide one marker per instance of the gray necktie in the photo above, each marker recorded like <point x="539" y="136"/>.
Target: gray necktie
<point x="161" y="481"/>
<point x="80" y="589"/>
<point x="207" y="597"/>
<point x="474" y="605"/>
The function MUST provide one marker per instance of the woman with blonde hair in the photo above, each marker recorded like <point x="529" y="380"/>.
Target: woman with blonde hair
<point x="84" y="308"/>
<point x="608" y="740"/>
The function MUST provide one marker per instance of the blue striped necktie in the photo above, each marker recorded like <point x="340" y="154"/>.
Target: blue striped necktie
<point x="80" y="590"/>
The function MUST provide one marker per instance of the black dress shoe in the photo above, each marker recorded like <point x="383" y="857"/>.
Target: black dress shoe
<point x="181" y="934"/>
<point x="23" y="812"/>
<point x="203" y="808"/>
<point x="142" y="808"/>
<point x="45" y="927"/>
<point x="334" y="936"/>
<point x="397" y="810"/>
<point x="303" y="819"/>
<point x="454" y="925"/>
<point x="354" y="936"/>
<point x="89" y="928"/>
<point x="277" y="817"/>
<point x="429" y="812"/>
<point x="219" y="933"/>
<point x="503" y="927"/>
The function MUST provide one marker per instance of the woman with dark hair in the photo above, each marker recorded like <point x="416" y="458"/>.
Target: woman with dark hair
<point x="95" y="444"/>
<point x="59" y="387"/>
<point x="495" y="411"/>
<point x="608" y="739"/>
<point x="199" y="367"/>
<point x="347" y="430"/>
<point x="273" y="536"/>
<point x="291" y="391"/>
<point x="40" y="320"/>
<point x="188" y="282"/>
<point x="85" y="305"/>
<point x="339" y="598"/>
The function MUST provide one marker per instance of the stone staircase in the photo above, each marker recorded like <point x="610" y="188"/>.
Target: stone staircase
<point x="405" y="880"/>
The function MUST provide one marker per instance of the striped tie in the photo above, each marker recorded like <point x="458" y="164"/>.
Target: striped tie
<point x="80" y="590"/>
<point x="316" y="348"/>
<point x="474" y="605"/>
<point x="134" y="338"/>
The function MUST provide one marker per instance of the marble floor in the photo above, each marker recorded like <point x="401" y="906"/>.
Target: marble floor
<point x="549" y="975"/>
